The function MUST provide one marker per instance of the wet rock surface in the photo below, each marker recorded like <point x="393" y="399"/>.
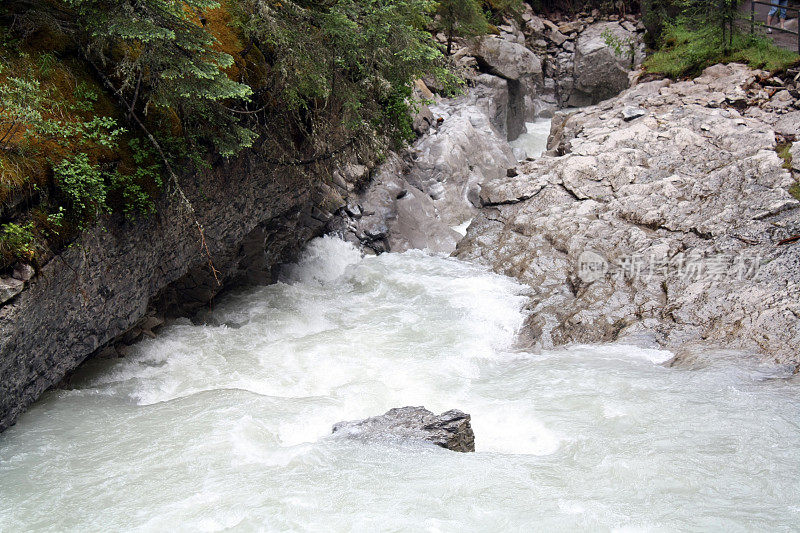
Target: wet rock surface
<point x="416" y="199"/>
<point x="659" y="226"/>
<point x="451" y="430"/>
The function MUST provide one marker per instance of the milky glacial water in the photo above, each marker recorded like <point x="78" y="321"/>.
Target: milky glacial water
<point x="225" y="426"/>
<point x="534" y="141"/>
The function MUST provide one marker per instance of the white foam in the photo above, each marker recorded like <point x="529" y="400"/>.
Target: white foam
<point x="461" y="229"/>
<point x="324" y="260"/>
<point x="534" y="141"/>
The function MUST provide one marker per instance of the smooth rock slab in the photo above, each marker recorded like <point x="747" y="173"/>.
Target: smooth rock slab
<point x="451" y="429"/>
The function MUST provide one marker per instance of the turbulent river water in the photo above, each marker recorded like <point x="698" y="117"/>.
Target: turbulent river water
<point x="227" y="425"/>
<point x="534" y="141"/>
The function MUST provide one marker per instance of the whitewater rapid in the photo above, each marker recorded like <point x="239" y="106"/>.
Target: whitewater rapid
<point x="534" y="140"/>
<point x="225" y="425"/>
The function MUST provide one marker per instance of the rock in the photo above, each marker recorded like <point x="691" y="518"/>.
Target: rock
<point x="794" y="151"/>
<point x="108" y="352"/>
<point x="10" y="287"/>
<point x="442" y="177"/>
<point x="535" y="27"/>
<point x="521" y="69"/>
<point x="630" y="113"/>
<point x="507" y="59"/>
<point x="23" y="272"/>
<point x="557" y="37"/>
<point x="781" y="100"/>
<point x="451" y="430"/>
<point x="599" y="72"/>
<point x="570" y="27"/>
<point x="550" y="25"/>
<point x="422" y="119"/>
<point x="151" y="324"/>
<point x="679" y="211"/>
<point x="423" y="89"/>
<point x="788" y="124"/>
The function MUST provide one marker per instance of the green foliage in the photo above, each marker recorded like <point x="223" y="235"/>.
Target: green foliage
<point x="136" y="200"/>
<point x="345" y="61"/>
<point x="87" y="187"/>
<point x="686" y="52"/>
<point x="164" y="59"/>
<point x="623" y="47"/>
<point x="17" y="242"/>
<point x="30" y="111"/>
<point x="575" y="6"/>
<point x="148" y="167"/>
<point x="460" y="18"/>
<point x="794" y="190"/>
<point x="21" y="101"/>
<point x="503" y="7"/>
<point x="83" y="185"/>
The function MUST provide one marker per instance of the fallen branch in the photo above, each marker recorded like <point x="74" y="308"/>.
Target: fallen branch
<point x="167" y="165"/>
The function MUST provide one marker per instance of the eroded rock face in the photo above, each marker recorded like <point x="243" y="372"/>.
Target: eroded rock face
<point x="659" y="226"/>
<point x="102" y="290"/>
<point x="600" y="72"/>
<point x="521" y="69"/>
<point x="507" y="59"/>
<point x="450" y="430"/>
<point x="415" y="202"/>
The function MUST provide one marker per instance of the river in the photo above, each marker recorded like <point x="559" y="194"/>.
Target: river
<point x="226" y="425"/>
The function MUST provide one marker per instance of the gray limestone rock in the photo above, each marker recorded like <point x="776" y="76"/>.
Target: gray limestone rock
<point x="667" y="225"/>
<point x="599" y="72"/>
<point x="10" y="287"/>
<point x="451" y="430"/>
<point x="507" y="59"/>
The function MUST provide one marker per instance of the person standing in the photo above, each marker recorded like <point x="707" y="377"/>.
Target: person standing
<point x="778" y="8"/>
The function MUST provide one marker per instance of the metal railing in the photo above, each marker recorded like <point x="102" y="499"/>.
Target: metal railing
<point x="775" y="28"/>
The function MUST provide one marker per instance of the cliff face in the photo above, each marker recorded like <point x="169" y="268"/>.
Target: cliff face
<point x="256" y="216"/>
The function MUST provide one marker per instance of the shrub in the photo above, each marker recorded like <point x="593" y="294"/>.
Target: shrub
<point x="17" y="242"/>
<point x="83" y="185"/>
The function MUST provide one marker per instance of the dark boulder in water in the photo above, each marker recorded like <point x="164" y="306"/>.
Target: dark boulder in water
<point x="451" y="429"/>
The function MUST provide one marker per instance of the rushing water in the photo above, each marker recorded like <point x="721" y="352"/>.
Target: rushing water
<point x="226" y="425"/>
<point x="534" y="141"/>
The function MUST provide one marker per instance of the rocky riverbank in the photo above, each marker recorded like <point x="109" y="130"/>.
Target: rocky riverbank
<point x="525" y="72"/>
<point x="121" y="280"/>
<point x="657" y="216"/>
<point x="662" y="216"/>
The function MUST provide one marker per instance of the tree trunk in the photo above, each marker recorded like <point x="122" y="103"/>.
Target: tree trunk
<point x="449" y="41"/>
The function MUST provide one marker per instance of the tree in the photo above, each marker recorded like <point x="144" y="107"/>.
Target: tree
<point x="460" y="18"/>
<point x="343" y="62"/>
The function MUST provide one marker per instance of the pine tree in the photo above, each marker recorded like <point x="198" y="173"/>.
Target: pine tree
<point x="460" y="18"/>
<point x="159" y="57"/>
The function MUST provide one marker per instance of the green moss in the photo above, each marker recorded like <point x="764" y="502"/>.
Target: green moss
<point x="686" y="52"/>
<point x="794" y="190"/>
<point x="784" y="152"/>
